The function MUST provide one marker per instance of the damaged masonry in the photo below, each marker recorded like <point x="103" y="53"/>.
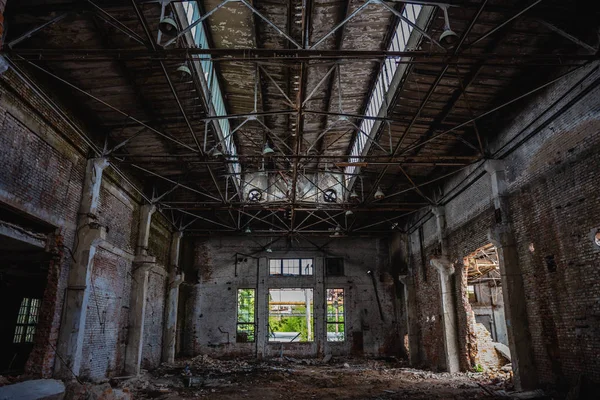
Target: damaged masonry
<point x="353" y="199"/>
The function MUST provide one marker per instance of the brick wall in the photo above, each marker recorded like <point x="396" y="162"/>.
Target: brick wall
<point x="213" y="279"/>
<point x="551" y="152"/>
<point x="105" y="333"/>
<point x="41" y="175"/>
<point x="154" y="320"/>
<point x="43" y="166"/>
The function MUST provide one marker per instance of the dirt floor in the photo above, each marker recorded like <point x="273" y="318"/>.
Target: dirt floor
<point x="204" y="377"/>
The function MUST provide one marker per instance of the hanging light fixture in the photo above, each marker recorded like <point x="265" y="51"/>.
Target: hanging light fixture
<point x="267" y="150"/>
<point x="183" y="72"/>
<point x="379" y="193"/>
<point x="353" y="196"/>
<point x="168" y="26"/>
<point x="349" y="213"/>
<point x="448" y="38"/>
<point x="248" y="230"/>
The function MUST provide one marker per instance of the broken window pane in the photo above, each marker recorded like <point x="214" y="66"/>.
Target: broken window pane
<point x="335" y="315"/>
<point x="26" y="320"/>
<point x="245" y="316"/>
<point x="291" y="315"/>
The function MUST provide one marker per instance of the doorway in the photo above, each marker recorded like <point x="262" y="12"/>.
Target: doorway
<point x="485" y="311"/>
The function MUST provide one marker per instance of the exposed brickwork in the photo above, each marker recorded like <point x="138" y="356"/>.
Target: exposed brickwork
<point x="159" y="243"/>
<point x="153" y="322"/>
<point x="41" y="175"/>
<point x="43" y="166"/>
<point x="554" y="204"/>
<point x="104" y="334"/>
<point x="116" y="212"/>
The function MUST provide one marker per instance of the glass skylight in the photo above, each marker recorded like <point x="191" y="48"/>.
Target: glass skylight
<point x="216" y="96"/>
<point x="382" y="84"/>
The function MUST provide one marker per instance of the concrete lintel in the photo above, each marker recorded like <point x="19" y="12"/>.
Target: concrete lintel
<point x="22" y="235"/>
<point x="111" y="248"/>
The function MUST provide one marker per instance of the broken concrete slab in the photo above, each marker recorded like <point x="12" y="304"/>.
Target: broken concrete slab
<point x="38" y="389"/>
<point x="502" y="349"/>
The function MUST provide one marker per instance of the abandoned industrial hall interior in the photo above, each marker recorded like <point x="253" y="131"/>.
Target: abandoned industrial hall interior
<point x="320" y="199"/>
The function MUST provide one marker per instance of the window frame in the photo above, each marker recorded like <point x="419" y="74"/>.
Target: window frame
<point x="299" y="259"/>
<point x="25" y="327"/>
<point x="313" y="337"/>
<point x="237" y="316"/>
<point x="335" y="323"/>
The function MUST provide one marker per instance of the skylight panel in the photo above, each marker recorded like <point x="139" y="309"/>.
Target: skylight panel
<point x="216" y="98"/>
<point x="382" y="85"/>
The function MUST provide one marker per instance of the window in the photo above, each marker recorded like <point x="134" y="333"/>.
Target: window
<point x="245" y="316"/>
<point x="27" y="320"/>
<point x="334" y="266"/>
<point x="291" y="266"/>
<point x="335" y="315"/>
<point x="291" y="315"/>
<point x="471" y="294"/>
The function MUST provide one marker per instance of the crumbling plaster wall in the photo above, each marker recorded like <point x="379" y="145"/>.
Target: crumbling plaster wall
<point x="212" y="284"/>
<point x="42" y="176"/>
<point x="552" y="181"/>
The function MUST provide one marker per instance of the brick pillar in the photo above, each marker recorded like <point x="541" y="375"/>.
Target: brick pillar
<point x="449" y="314"/>
<point x="89" y="234"/>
<point x="175" y="279"/>
<point x="513" y="289"/>
<point x="139" y="289"/>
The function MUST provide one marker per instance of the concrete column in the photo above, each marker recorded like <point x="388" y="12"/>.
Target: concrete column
<point x="139" y="289"/>
<point x="449" y="314"/>
<point x="319" y="299"/>
<point x="175" y="279"/>
<point x="412" y="320"/>
<point x="513" y="289"/>
<point x="89" y="234"/>
<point x="262" y="308"/>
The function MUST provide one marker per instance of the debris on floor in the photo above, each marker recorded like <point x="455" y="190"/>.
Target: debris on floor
<point x="329" y="377"/>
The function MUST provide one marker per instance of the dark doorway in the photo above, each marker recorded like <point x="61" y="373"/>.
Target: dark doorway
<point x="23" y="275"/>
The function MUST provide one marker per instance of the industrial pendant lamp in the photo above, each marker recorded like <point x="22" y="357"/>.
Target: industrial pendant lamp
<point x="183" y="72"/>
<point x="353" y="196"/>
<point x="349" y="213"/>
<point x="448" y="38"/>
<point x="379" y="193"/>
<point x="168" y="26"/>
<point x="267" y="151"/>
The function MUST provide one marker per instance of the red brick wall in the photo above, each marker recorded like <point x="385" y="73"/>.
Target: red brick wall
<point x="554" y="203"/>
<point x="43" y="166"/>
<point x="41" y="175"/>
